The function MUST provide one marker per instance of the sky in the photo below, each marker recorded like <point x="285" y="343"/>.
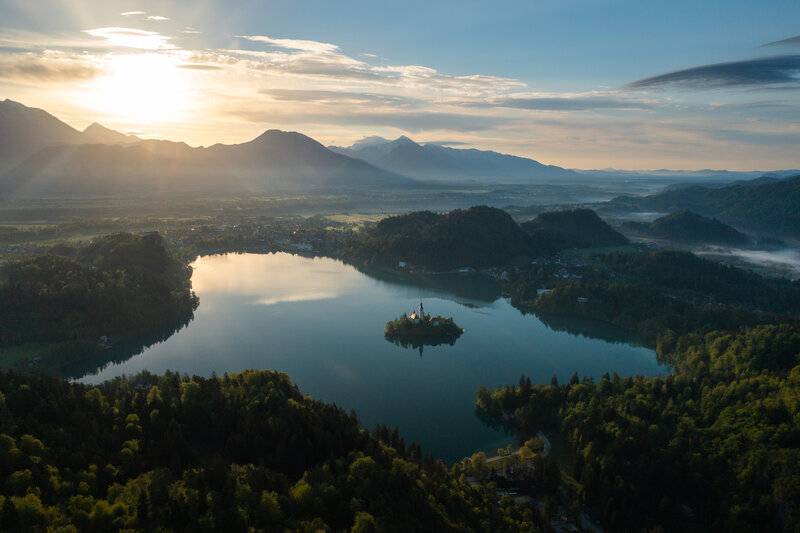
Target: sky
<point x="575" y="83"/>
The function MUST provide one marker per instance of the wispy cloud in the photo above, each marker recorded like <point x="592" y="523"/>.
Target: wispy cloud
<point x="190" y="30"/>
<point x="791" y="41"/>
<point x="157" y="17"/>
<point x="328" y="96"/>
<point x="754" y="72"/>
<point x="410" y="121"/>
<point x="315" y="58"/>
<point x="132" y="13"/>
<point x="294" y="44"/>
<point x="132" y="38"/>
<point x="578" y="102"/>
<point x="199" y="66"/>
<point x="52" y="67"/>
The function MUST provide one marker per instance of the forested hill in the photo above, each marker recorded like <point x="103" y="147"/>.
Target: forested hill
<point x="475" y="237"/>
<point x="687" y="227"/>
<point x="771" y="207"/>
<point x="577" y="228"/>
<point x="243" y="453"/>
<point x="121" y="286"/>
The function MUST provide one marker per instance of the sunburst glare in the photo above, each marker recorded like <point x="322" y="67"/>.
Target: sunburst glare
<point x="143" y="90"/>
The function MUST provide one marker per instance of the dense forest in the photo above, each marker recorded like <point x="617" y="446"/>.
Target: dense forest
<point x="122" y="286"/>
<point x="245" y="452"/>
<point x="687" y="227"/>
<point x="772" y="207"/>
<point x="477" y="237"/>
<point x="660" y="295"/>
<point x="714" y="447"/>
<point x="577" y="228"/>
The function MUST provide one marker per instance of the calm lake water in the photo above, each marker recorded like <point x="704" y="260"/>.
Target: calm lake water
<point x="322" y="321"/>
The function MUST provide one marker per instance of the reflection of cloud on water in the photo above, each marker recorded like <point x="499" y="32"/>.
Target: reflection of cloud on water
<point x="785" y="259"/>
<point x="337" y="368"/>
<point x="297" y="297"/>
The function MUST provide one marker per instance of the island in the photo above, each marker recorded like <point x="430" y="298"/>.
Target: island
<point x="420" y="328"/>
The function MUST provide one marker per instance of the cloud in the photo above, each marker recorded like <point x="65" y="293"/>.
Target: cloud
<point x="791" y="41"/>
<point x="327" y="96"/>
<point x="569" y="102"/>
<point x="758" y="72"/>
<point x="294" y="44"/>
<point x="157" y="17"/>
<point x="132" y="38"/>
<point x="132" y="13"/>
<point x="51" y="68"/>
<point x="199" y="66"/>
<point x="189" y="29"/>
<point x="315" y="58"/>
<point x="410" y="121"/>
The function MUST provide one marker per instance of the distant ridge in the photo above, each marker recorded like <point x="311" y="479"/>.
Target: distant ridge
<point x="440" y="163"/>
<point x="100" y="134"/>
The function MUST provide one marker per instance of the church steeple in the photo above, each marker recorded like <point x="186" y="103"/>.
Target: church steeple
<point x="420" y="310"/>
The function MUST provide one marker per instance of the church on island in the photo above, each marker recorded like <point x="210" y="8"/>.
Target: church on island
<point x="419" y="315"/>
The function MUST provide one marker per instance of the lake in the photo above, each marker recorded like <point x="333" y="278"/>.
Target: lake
<point x="321" y="321"/>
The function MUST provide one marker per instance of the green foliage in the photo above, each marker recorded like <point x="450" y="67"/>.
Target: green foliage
<point x="122" y="286"/>
<point x="478" y="237"/>
<point x="246" y="452"/>
<point x="714" y="447"/>
<point x="662" y="294"/>
<point x="475" y="237"/>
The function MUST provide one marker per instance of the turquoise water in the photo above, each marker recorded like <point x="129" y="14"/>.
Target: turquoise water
<point x="322" y="321"/>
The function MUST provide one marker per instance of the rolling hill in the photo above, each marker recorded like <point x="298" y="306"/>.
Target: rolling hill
<point x="478" y="237"/>
<point x="687" y="227"/>
<point x="577" y="228"/>
<point x="768" y="206"/>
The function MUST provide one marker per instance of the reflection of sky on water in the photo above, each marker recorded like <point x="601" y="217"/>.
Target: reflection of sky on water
<point x="268" y="279"/>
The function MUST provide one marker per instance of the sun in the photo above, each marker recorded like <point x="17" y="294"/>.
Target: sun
<point x="142" y="90"/>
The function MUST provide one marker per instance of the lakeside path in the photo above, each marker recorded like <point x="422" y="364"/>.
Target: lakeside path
<point x="545" y="450"/>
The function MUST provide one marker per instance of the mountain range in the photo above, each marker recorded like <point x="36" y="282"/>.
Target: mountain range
<point x="434" y="162"/>
<point x="41" y="154"/>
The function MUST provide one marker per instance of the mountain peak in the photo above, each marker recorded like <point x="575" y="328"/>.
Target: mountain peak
<point x="372" y="140"/>
<point x="274" y="134"/>
<point x="402" y="140"/>
<point x="99" y="133"/>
